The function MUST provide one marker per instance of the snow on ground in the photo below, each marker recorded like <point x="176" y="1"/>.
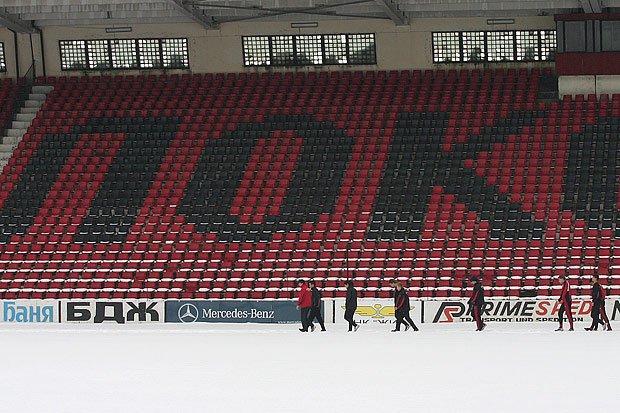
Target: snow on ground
<point x="275" y="368"/>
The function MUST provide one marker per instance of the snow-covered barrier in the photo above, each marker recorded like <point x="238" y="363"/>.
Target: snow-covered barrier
<point x="116" y="311"/>
<point x="29" y="311"/>
<point x="232" y="311"/>
<point x="82" y="311"/>
<point x="127" y="311"/>
<point x="371" y="311"/>
<point x="521" y="310"/>
<point x="507" y="310"/>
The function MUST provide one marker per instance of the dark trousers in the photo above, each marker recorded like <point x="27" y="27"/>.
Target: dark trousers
<point x="348" y="315"/>
<point x="400" y="319"/>
<point x="604" y="315"/>
<point x="403" y="317"/>
<point x="596" y="313"/>
<point x="315" y="312"/>
<point x="569" y="314"/>
<point x="410" y="321"/>
<point x="304" y="318"/>
<point x="477" y="313"/>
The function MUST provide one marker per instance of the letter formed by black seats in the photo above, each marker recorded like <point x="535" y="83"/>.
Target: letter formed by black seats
<point x="591" y="180"/>
<point x="129" y="178"/>
<point x="313" y="188"/>
<point x="125" y="185"/>
<point x="417" y="163"/>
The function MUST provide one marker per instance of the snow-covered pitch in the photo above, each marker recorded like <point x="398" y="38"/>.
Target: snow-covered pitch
<point x="275" y="368"/>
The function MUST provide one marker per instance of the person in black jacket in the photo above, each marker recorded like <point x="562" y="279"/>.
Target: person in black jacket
<point x="350" y="305"/>
<point x="402" y="309"/>
<point x="395" y="296"/>
<point x="604" y="319"/>
<point x="315" y="311"/>
<point x="476" y="303"/>
<point x="597" y="301"/>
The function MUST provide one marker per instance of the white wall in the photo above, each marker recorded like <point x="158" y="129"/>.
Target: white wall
<point x="590" y="84"/>
<point x="607" y="84"/>
<point x="576" y="85"/>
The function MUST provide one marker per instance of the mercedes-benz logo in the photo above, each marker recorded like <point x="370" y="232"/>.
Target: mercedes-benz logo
<point x="188" y="313"/>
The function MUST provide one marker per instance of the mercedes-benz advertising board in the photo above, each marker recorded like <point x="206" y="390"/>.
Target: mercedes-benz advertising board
<point x="235" y="311"/>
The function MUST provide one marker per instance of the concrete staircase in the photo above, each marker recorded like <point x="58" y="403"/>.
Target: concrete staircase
<point x="23" y="120"/>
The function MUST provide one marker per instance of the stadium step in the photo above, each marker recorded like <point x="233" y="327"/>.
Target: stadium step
<point x="42" y="90"/>
<point x="23" y="119"/>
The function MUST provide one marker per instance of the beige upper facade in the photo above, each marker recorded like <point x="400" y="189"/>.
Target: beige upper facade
<point x="220" y="50"/>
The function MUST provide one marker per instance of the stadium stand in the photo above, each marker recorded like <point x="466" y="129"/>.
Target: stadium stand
<point x="234" y="185"/>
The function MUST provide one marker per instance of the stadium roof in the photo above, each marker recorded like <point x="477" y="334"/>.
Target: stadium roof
<point x="24" y="15"/>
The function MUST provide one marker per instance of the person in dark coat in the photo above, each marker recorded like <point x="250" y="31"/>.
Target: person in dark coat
<point x="350" y="305"/>
<point x="566" y="302"/>
<point x="604" y="318"/>
<point x="402" y="309"/>
<point x="597" y="302"/>
<point x="476" y="303"/>
<point x="395" y="297"/>
<point x="315" y="311"/>
<point x="304" y="303"/>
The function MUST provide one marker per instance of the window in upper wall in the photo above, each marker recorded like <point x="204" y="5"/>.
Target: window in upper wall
<point x="474" y="48"/>
<point x="256" y="51"/>
<point x="528" y="45"/>
<point x="124" y="54"/>
<point x="610" y="35"/>
<point x="99" y="56"/>
<point x="548" y="44"/>
<point x="575" y="36"/>
<point x="282" y="51"/>
<point x="362" y="49"/>
<point x="2" y="58"/>
<point x="73" y="55"/>
<point x="494" y="46"/>
<point x="501" y="46"/>
<point x="446" y="47"/>
<point x="175" y="54"/>
<point x="105" y="54"/>
<point x="335" y="46"/>
<point x="149" y="52"/>
<point x="309" y="50"/>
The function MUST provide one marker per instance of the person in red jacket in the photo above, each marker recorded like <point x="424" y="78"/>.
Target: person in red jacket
<point x="304" y="303"/>
<point x="566" y="301"/>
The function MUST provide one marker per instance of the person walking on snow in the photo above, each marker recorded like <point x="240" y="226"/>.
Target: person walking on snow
<point x="565" y="301"/>
<point x="403" y="307"/>
<point x="476" y="303"/>
<point x="315" y="311"/>
<point x="598" y="304"/>
<point x="395" y="297"/>
<point x="304" y="303"/>
<point x="350" y="305"/>
<point x="604" y="317"/>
